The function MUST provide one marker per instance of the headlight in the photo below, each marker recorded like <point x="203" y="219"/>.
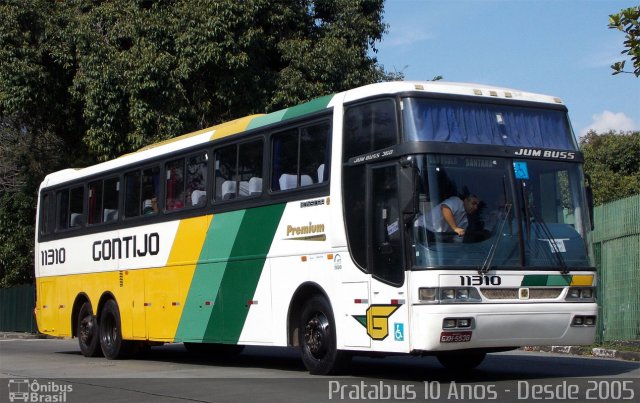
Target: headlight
<point x="448" y="295"/>
<point x="581" y="294"/>
<point x="428" y="294"/>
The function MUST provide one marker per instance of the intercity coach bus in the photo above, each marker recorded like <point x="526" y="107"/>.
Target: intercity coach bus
<point x="313" y="227"/>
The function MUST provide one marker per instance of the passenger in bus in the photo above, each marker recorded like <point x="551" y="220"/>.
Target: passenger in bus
<point x="450" y="216"/>
<point x="150" y="206"/>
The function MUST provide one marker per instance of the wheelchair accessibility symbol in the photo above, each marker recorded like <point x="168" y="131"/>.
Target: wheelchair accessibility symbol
<point x="398" y="332"/>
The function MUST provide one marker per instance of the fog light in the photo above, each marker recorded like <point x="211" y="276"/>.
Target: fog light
<point x="448" y="323"/>
<point x="464" y="322"/>
<point x="578" y="321"/>
<point x="590" y="321"/>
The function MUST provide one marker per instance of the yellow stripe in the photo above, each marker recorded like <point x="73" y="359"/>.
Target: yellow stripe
<point x="189" y="239"/>
<point x="233" y="127"/>
<point x="582" y="280"/>
<point x="167" y="289"/>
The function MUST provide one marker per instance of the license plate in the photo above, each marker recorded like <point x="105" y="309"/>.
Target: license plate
<point x="455" y="337"/>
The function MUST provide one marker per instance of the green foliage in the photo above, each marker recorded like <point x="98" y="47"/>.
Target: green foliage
<point x="628" y="21"/>
<point x="84" y="81"/>
<point x="612" y="160"/>
<point x="16" y="238"/>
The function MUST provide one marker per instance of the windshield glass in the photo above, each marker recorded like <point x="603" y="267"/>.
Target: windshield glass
<point x="471" y="214"/>
<point x="482" y="123"/>
<point x="553" y="212"/>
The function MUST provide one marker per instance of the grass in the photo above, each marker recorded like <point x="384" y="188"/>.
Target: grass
<point x="620" y="345"/>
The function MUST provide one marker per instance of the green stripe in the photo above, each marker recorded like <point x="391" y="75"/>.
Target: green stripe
<point x="233" y="256"/>
<point x="266" y="119"/>
<point x="207" y="278"/>
<point x="312" y="106"/>
<point x="543" y="280"/>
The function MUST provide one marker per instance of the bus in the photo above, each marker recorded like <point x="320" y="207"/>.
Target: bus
<point x="313" y="227"/>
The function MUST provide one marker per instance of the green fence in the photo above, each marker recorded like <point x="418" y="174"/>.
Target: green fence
<point x="16" y="309"/>
<point x="616" y="245"/>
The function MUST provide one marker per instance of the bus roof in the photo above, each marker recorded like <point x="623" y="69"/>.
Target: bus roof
<point x="255" y="121"/>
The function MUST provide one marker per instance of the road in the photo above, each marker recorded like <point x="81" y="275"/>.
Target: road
<point x="56" y="371"/>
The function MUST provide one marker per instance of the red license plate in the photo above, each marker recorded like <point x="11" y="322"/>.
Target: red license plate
<point x="455" y="337"/>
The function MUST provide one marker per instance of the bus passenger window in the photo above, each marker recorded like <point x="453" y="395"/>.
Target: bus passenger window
<point x="132" y="194"/>
<point x="45" y="214"/>
<point x="226" y="161"/>
<point x="239" y="170"/>
<point x="150" y="186"/>
<point x="196" y="180"/>
<point x="175" y="185"/>
<point x="62" y="208"/>
<point x="313" y="154"/>
<point x="300" y="157"/>
<point x="76" y="200"/>
<point x="250" y="169"/>
<point x="95" y="202"/>
<point x="111" y="199"/>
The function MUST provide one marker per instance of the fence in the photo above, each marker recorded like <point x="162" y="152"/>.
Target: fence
<point x="16" y="309"/>
<point x="616" y="245"/>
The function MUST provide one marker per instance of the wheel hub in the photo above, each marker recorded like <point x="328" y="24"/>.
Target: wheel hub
<point x="87" y="329"/>
<point x="316" y="334"/>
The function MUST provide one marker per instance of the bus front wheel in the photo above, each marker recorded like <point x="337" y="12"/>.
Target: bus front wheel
<point x="317" y="337"/>
<point x="87" y="332"/>
<point x="111" y="342"/>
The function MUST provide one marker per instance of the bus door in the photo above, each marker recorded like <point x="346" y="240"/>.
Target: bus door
<point x="388" y="313"/>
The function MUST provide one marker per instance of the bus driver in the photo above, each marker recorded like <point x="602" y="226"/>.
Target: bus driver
<point x="451" y="215"/>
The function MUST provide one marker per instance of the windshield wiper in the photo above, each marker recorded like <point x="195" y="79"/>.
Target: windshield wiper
<point x="494" y="245"/>
<point x="542" y="225"/>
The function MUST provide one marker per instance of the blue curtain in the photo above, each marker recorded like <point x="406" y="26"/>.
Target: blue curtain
<point x="461" y="122"/>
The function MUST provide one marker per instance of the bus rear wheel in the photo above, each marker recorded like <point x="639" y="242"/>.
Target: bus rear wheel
<point x="111" y="342"/>
<point x="461" y="361"/>
<point x="88" y="332"/>
<point x="317" y="337"/>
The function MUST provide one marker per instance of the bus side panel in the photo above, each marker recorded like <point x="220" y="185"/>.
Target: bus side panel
<point x="165" y="288"/>
<point x="223" y="289"/>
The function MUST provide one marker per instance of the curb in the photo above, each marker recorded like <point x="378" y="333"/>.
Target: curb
<point x="20" y="335"/>
<point x="585" y="350"/>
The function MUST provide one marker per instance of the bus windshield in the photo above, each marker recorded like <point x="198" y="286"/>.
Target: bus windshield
<point x="483" y="123"/>
<point x="505" y="213"/>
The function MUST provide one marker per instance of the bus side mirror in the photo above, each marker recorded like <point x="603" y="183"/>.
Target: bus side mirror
<point x="407" y="189"/>
<point x="589" y="190"/>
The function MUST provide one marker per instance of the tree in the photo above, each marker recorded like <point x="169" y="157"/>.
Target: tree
<point x="628" y="21"/>
<point x="86" y="81"/>
<point x="613" y="163"/>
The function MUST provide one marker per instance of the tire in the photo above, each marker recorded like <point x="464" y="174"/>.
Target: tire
<point x="111" y="342"/>
<point x="461" y="361"/>
<point x="318" y="339"/>
<point x="88" y="332"/>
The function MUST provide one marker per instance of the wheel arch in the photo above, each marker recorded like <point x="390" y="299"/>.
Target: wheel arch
<point x="302" y="294"/>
